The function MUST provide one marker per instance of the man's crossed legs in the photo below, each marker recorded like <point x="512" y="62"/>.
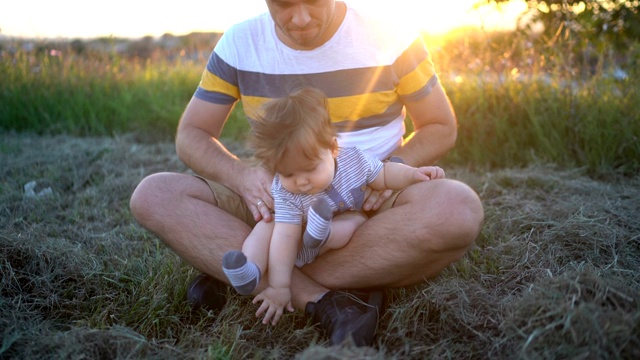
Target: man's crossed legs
<point x="430" y="225"/>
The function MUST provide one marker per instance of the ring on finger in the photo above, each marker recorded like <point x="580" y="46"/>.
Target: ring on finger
<point x="259" y="203"/>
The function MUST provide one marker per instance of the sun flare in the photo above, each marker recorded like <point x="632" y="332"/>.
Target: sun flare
<point x="124" y="18"/>
<point x="440" y="17"/>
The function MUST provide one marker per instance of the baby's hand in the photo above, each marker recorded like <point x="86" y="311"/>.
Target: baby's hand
<point x="431" y="172"/>
<point x="274" y="300"/>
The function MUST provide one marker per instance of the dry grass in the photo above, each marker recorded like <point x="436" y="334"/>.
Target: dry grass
<point x="554" y="273"/>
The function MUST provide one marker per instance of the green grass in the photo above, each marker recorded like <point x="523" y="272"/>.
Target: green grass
<point x="553" y="153"/>
<point x="519" y="104"/>
<point x="538" y="115"/>
<point x="554" y="273"/>
<point x="96" y="95"/>
<point x="593" y="124"/>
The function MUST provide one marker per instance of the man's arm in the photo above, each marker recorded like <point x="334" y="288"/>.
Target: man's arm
<point x="197" y="142"/>
<point x="198" y="146"/>
<point x="435" y="129"/>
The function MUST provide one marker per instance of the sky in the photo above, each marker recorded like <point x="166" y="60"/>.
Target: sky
<point x="138" y="18"/>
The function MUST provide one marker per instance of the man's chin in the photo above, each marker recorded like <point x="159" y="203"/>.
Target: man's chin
<point x="306" y="44"/>
<point x="306" y="39"/>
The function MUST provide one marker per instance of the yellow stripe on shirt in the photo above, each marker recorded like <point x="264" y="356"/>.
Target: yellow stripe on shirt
<point x="211" y="82"/>
<point x="416" y="79"/>
<point x="348" y="108"/>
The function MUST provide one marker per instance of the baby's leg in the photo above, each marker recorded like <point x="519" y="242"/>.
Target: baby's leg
<point x="243" y="268"/>
<point x="343" y="227"/>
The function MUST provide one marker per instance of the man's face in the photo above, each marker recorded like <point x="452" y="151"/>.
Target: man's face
<point x="304" y="24"/>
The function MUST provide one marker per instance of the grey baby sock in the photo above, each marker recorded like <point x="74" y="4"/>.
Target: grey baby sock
<point x="318" y="224"/>
<point x="243" y="275"/>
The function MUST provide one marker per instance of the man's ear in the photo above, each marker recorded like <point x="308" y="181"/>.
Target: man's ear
<point x="336" y="149"/>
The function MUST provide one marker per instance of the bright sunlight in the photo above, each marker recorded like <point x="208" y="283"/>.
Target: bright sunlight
<point x="131" y="19"/>
<point x="439" y="17"/>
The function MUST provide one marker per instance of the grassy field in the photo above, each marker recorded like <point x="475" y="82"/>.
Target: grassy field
<point x="536" y="105"/>
<point x="554" y="274"/>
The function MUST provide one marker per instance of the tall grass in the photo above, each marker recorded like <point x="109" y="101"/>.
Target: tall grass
<point x="528" y="103"/>
<point x="98" y="95"/>
<point x="55" y="94"/>
<point x="521" y="100"/>
<point x="515" y="122"/>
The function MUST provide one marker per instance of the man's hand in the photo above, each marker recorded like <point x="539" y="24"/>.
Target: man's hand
<point x="254" y="185"/>
<point x="274" y="301"/>
<point x="373" y="199"/>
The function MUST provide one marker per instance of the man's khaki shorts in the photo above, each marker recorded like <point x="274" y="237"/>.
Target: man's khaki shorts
<point x="232" y="203"/>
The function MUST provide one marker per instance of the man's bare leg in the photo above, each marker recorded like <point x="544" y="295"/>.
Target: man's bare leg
<point x="181" y="210"/>
<point x="431" y="225"/>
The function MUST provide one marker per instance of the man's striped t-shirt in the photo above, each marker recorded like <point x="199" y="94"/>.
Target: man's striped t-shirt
<point x="368" y="70"/>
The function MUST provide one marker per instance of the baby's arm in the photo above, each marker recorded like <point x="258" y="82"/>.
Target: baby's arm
<point x="396" y="176"/>
<point x="282" y="256"/>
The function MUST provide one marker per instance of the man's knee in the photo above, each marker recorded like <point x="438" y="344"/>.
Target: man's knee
<point x="142" y="202"/>
<point x="457" y="214"/>
<point x="466" y="214"/>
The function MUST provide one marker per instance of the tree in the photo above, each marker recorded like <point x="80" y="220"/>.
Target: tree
<point x="616" y="22"/>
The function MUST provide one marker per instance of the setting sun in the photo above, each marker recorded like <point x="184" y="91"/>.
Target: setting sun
<point x="439" y="17"/>
<point x="120" y="18"/>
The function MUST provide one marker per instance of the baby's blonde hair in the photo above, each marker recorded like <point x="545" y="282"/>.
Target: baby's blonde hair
<point x="299" y="122"/>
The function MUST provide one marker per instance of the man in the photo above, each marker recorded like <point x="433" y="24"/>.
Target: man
<point x="370" y="74"/>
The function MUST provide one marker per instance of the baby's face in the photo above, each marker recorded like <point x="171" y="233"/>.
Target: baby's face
<point x="300" y="175"/>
